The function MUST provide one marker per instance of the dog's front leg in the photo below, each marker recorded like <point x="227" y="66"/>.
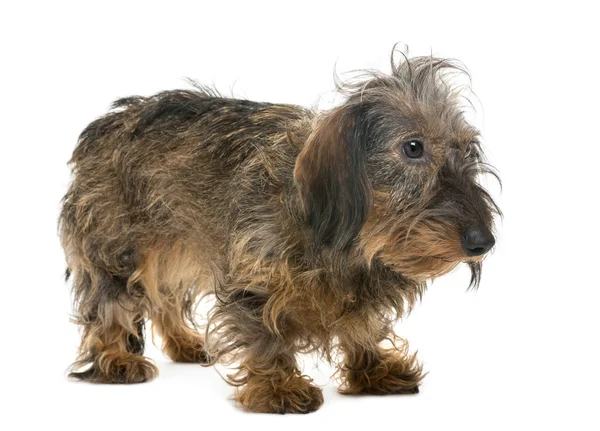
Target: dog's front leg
<point x="268" y="377"/>
<point x="372" y="369"/>
<point x="274" y="384"/>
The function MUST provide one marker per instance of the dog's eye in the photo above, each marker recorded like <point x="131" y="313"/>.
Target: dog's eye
<point x="472" y="152"/>
<point x="413" y="149"/>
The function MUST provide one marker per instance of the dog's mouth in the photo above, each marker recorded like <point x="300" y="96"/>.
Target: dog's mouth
<point x="419" y="267"/>
<point x="430" y="267"/>
<point x="469" y="259"/>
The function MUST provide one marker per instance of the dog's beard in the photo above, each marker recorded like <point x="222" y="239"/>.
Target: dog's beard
<point x="475" y="267"/>
<point x="421" y="268"/>
<point x="429" y="267"/>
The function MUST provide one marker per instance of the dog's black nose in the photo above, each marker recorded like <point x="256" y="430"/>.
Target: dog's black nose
<point x="477" y="241"/>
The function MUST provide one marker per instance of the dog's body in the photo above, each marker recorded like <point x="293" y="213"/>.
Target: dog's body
<point x="315" y="231"/>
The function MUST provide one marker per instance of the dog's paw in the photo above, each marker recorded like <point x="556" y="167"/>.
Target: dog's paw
<point x="190" y="351"/>
<point x="395" y="374"/>
<point x="413" y="390"/>
<point x="135" y="369"/>
<point x="295" y="395"/>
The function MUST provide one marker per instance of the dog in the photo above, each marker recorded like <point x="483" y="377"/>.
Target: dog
<point x="315" y="231"/>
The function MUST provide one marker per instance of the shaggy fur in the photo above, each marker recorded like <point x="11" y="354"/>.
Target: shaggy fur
<point x="313" y="230"/>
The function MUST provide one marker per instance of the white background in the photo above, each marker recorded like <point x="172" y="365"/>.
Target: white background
<point x="521" y="353"/>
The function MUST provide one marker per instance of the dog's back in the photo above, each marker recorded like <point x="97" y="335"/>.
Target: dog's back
<point x="176" y="164"/>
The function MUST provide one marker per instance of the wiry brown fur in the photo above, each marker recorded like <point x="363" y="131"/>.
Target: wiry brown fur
<point x="312" y="229"/>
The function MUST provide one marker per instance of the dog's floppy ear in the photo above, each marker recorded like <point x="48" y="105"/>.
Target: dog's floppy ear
<point x="331" y="176"/>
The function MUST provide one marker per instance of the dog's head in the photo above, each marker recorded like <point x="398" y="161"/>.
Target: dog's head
<point x="393" y="174"/>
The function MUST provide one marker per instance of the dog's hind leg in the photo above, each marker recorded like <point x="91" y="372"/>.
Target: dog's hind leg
<point x="112" y="318"/>
<point x="179" y="341"/>
<point x="174" y="275"/>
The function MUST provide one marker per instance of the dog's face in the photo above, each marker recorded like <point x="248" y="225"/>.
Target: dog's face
<point x="393" y="173"/>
